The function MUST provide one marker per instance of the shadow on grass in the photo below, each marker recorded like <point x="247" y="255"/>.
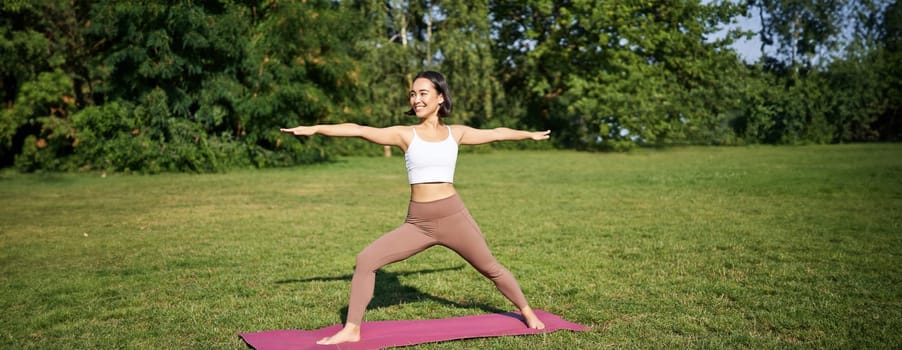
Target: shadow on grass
<point x="390" y="291"/>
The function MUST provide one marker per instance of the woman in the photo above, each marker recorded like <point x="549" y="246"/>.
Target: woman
<point x="436" y="215"/>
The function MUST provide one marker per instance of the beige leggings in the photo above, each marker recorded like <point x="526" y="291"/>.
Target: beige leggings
<point x="443" y="222"/>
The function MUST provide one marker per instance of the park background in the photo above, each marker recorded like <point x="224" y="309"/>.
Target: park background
<point x="690" y="196"/>
<point x="204" y="86"/>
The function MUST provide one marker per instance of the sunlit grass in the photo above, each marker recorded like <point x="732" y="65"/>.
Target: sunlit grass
<point x="757" y="247"/>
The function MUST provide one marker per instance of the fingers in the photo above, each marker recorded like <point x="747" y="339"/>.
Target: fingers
<point x="294" y="131"/>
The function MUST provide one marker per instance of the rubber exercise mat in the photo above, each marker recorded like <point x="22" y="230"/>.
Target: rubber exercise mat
<point x="387" y="334"/>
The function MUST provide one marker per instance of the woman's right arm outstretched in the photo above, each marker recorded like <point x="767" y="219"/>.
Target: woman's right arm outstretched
<point x="391" y="136"/>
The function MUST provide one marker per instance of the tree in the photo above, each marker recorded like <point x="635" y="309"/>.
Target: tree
<point x="44" y="78"/>
<point x="400" y="38"/>
<point x="889" y="122"/>
<point x="827" y="67"/>
<point x="614" y="75"/>
<point x="801" y="30"/>
<point x="855" y="77"/>
<point x="299" y="69"/>
<point x="463" y="45"/>
<point x="175" y="67"/>
<point x="173" y="86"/>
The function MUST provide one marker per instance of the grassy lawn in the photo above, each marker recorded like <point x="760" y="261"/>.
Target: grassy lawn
<point x="757" y="247"/>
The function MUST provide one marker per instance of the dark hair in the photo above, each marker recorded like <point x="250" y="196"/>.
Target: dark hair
<point x="440" y="85"/>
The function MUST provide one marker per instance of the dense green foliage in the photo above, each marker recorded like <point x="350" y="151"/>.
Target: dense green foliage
<point x="203" y="86"/>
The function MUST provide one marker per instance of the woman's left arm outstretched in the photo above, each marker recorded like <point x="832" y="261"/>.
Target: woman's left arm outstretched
<point x="473" y="136"/>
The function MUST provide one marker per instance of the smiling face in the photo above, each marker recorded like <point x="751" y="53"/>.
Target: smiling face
<point x="425" y="100"/>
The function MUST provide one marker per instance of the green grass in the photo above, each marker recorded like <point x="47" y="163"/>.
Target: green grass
<point x="758" y="247"/>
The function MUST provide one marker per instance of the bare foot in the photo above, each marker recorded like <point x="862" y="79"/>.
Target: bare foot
<point x="350" y="333"/>
<point x="532" y="321"/>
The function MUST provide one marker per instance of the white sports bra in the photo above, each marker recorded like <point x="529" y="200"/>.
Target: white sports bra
<point x="431" y="161"/>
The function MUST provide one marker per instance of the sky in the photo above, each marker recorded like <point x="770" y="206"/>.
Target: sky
<point x="749" y="50"/>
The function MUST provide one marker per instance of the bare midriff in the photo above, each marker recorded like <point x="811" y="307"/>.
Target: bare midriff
<point x="432" y="191"/>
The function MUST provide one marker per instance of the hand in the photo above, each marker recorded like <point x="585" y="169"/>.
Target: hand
<point x="300" y="130"/>
<point x="541" y="135"/>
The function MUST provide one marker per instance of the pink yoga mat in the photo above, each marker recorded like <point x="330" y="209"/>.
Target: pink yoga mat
<point x="386" y="334"/>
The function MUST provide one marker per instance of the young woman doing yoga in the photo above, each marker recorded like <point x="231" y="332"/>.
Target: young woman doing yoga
<point x="436" y="215"/>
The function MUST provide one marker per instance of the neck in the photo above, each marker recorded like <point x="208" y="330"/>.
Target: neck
<point x="433" y="122"/>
